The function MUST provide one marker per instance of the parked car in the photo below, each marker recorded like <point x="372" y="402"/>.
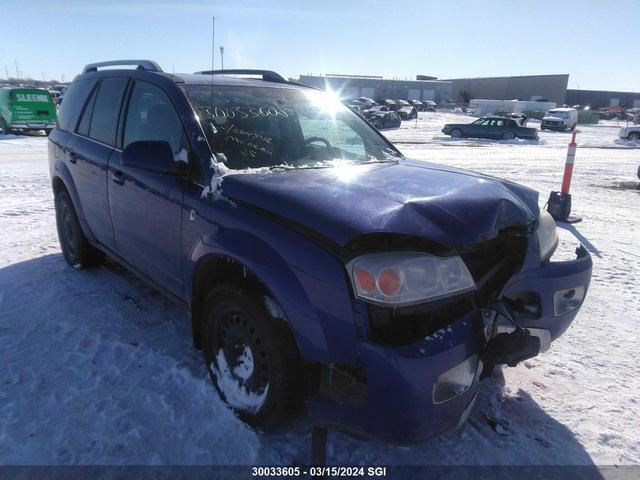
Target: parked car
<point x="390" y="104"/>
<point x="520" y="118"/>
<point x="26" y="109"/>
<point x="323" y="271"/>
<point x="366" y="102"/>
<point x="381" y="116"/>
<point x="430" y="106"/>
<point x="408" y="112"/>
<point x="630" y="133"/>
<point x="500" y="128"/>
<point x="356" y="105"/>
<point x="418" y="104"/>
<point x="560" y="119"/>
<point x="56" y="96"/>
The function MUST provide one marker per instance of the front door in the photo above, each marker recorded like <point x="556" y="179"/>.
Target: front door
<point x="146" y="207"/>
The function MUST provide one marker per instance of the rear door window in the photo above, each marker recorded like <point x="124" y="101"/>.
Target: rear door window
<point x="106" y="109"/>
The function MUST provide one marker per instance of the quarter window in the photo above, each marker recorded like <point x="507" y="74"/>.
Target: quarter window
<point x="106" y="109"/>
<point x="85" y="120"/>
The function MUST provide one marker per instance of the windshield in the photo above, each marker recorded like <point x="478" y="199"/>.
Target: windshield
<point x="552" y="113"/>
<point x="249" y="127"/>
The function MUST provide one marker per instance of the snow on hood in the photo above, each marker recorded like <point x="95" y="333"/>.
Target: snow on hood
<point x="443" y="204"/>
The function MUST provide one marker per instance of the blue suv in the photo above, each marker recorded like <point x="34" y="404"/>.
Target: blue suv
<point x="324" y="272"/>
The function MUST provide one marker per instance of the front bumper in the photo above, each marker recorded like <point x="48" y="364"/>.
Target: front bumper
<point x="30" y="126"/>
<point x="400" y="405"/>
<point x="553" y="126"/>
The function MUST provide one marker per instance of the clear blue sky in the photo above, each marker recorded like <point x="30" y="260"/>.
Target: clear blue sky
<point x="596" y="42"/>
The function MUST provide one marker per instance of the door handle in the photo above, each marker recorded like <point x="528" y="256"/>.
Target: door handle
<point x="73" y="158"/>
<point x="117" y="176"/>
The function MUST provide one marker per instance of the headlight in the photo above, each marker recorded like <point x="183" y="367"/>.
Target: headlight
<point x="403" y="278"/>
<point x="547" y="235"/>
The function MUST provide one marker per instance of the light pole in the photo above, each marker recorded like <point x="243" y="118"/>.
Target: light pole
<point x="213" y="42"/>
<point x="222" y="58"/>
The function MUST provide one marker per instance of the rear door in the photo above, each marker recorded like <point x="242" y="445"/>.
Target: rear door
<point x="496" y="128"/>
<point x="88" y="154"/>
<point x="146" y="207"/>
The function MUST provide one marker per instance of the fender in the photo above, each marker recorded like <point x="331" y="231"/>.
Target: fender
<point x="62" y="172"/>
<point x="321" y="322"/>
<point x="267" y="265"/>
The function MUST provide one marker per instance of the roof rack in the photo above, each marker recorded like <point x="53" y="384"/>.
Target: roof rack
<point x="267" y="75"/>
<point x="149" y="65"/>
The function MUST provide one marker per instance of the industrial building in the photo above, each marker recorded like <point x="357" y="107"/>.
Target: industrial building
<point x="603" y="98"/>
<point x="550" y="88"/>
<point x="354" y="86"/>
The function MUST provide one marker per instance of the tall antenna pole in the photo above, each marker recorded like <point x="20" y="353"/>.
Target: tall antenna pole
<point x="17" y="71"/>
<point x="6" y="70"/>
<point x="213" y="43"/>
<point x="222" y="58"/>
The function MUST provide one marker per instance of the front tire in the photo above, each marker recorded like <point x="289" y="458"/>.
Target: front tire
<point x="76" y="249"/>
<point x="456" y="133"/>
<point x="253" y="359"/>
<point x="635" y="136"/>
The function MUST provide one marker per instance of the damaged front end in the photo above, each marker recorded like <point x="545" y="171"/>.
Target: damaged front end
<point x="422" y="363"/>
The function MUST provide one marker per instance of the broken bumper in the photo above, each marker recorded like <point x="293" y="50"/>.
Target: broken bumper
<point x="402" y="405"/>
<point x="549" y="289"/>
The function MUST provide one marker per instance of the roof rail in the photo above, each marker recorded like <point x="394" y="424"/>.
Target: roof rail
<point x="140" y="65"/>
<point x="267" y="75"/>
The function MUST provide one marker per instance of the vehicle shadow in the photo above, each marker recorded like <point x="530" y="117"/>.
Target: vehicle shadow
<point x="100" y="369"/>
<point x="581" y="238"/>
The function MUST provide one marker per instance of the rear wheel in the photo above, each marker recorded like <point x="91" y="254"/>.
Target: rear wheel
<point x="456" y="132"/>
<point x="76" y="249"/>
<point x="252" y="358"/>
<point x="508" y="136"/>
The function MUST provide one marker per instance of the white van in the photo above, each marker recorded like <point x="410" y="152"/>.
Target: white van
<point x="560" y="119"/>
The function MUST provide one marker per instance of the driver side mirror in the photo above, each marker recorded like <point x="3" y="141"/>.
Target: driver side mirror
<point x="153" y="156"/>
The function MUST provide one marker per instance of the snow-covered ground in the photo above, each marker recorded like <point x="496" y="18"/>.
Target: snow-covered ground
<point x="97" y="368"/>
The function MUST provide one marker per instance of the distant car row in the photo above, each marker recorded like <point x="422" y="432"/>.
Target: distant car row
<point x="388" y="113"/>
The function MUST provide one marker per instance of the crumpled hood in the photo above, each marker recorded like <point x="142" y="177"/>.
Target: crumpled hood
<point x="443" y="204"/>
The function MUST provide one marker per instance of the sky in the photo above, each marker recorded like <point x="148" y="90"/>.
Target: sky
<point x="596" y="42"/>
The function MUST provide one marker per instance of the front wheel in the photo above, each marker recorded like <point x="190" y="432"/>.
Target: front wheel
<point x="252" y="358"/>
<point x="456" y="133"/>
<point x="76" y="249"/>
<point x="3" y="126"/>
<point x="635" y="136"/>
